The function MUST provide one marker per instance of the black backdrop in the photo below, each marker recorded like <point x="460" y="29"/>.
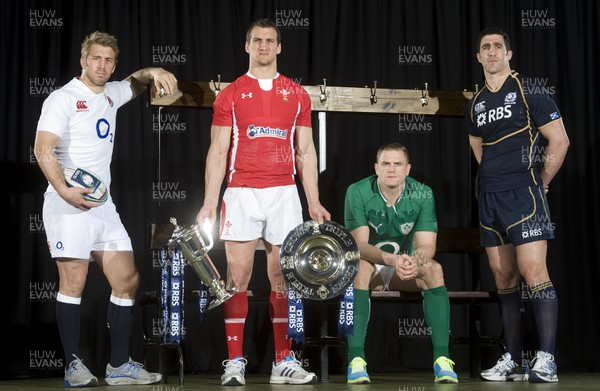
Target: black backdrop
<point x="160" y="173"/>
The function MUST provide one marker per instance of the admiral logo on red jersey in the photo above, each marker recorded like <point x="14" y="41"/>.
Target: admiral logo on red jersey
<point x="81" y="105"/>
<point x="261" y="131"/>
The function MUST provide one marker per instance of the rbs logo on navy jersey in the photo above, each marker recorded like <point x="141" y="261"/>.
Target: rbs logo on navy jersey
<point x="486" y="117"/>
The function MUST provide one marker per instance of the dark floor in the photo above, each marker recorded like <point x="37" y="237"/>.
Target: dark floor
<point x="395" y="382"/>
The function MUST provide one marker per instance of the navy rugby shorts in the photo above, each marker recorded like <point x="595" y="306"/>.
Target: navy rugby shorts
<point x="515" y="216"/>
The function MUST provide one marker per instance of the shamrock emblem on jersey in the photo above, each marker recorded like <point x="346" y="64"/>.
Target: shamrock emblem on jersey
<point x="480" y="119"/>
<point x="406" y="228"/>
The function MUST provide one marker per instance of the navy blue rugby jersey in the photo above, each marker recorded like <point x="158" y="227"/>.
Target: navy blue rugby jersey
<point x="507" y="120"/>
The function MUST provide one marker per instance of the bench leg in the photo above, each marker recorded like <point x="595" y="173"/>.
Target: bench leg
<point x="474" y="351"/>
<point x="162" y="364"/>
<point x="324" y="348"/>
<point x="180" y="355"/>
<point x="474" y="359"/>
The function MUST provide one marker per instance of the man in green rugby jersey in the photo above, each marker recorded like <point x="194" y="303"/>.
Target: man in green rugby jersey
<point x="393" y="219"/>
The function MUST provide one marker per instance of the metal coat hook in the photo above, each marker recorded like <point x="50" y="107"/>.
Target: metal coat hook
<point x="323" y="88"/>
<point x="424" y="97"/>
<point x="476" y="88"/>
<point x="217" y="85"/>
<point x="374" y="93"/>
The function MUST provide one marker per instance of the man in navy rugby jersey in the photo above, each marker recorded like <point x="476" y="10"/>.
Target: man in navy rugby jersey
<point x="506" y="121"/>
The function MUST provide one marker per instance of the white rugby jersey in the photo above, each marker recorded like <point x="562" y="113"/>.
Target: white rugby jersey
<point x="86" y="124"/>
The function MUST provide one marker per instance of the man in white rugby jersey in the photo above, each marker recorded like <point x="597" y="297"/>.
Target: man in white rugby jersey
<point x="76" y="129"/>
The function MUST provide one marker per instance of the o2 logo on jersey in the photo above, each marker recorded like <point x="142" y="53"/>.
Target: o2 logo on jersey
<point x="261" y="131"/>
<point x="103" y="129"/>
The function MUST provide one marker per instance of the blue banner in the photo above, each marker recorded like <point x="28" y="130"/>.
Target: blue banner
<point x="203" y="300"/>
<point x="165" y="267"/>
<point x="346" y="315"/>
<point x="295" y="316"/>
<point x="172" y="295"/>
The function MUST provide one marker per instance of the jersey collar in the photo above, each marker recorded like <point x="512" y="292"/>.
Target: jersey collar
<point x="385" y="199"/>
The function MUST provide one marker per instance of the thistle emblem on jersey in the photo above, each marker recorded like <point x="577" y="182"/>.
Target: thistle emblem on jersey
<point x="510" y="98"/>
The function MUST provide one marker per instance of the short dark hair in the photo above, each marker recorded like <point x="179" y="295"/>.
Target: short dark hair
<point x="264" y="23"/>
<point x="493" y="31"/>
<point x="392" y="147"/>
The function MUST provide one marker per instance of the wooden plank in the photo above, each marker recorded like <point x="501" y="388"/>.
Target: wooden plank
<point x="456" y="297"/>
<point x="198" y="94"/>
<point x="391" y="101"/>
<point x="190" y="94"/>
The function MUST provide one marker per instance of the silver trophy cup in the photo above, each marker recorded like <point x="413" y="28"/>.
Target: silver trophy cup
<point x="195" y="242"/>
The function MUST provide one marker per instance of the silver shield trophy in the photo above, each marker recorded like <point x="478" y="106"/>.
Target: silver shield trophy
<point x="195" y="242"/>
<point x="319" y="261"/>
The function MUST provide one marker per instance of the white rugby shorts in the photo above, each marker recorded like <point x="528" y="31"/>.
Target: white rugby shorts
<point x="271" y="213"/>
<point x="73" y="233"/>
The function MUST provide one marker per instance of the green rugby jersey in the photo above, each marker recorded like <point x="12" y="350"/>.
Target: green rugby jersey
<point x="391" y="228"/>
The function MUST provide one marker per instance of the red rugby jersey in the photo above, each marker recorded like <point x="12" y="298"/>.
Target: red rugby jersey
<point x="263" y="128"/>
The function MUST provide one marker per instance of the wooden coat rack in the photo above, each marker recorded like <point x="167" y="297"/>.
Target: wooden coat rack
<point x="324" y="98"/>
<point x="199" y="94"/>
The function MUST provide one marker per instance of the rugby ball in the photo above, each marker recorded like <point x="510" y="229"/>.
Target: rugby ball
<point x="79" y="177"/>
